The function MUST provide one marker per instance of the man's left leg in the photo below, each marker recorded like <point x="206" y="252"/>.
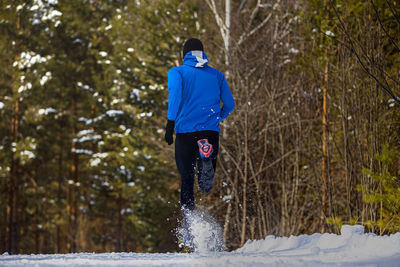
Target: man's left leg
<point x="185" y="156"/>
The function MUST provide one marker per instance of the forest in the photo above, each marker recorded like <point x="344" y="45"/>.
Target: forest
<point x="313" y="142"/>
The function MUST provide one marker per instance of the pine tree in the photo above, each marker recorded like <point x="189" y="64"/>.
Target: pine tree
<point x="386" y="192"/>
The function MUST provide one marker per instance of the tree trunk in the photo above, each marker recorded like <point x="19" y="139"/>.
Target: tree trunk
<point x="60" y="182"/>
<point x="245" y="172"/>
<point x="227" y="36"/>
<point x="226" y="224"/>
<point x="74" y="191"/>
<point x="118" y="229"/>
<point x="12" y="208"/>
<point x="325" y="170"/>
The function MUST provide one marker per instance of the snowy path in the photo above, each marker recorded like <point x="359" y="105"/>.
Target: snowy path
<point x="351" y="248"/>
<point x="177" y="259"/>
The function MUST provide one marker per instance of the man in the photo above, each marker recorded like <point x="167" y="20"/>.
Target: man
<point x="196" y="91"/>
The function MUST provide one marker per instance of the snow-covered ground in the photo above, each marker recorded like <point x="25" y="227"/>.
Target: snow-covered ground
<point x="352" y="248"/>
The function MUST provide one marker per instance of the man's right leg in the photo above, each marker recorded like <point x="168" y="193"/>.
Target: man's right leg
<point x="206" y="165"/>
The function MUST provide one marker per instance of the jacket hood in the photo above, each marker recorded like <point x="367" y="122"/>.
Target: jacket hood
<point x="195" y="58"/>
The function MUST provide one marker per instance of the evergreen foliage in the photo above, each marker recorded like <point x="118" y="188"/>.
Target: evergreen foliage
<point x="385" y="194"/>
<point x="84" y="82"/>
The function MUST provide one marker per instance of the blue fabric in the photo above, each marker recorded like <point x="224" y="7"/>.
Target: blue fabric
<point x="196" y="92"/>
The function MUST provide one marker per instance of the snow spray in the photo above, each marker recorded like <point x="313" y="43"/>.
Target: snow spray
<point x="204" y="230"/>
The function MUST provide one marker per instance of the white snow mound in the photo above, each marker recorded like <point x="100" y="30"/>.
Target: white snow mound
<point x="350" y="247"/>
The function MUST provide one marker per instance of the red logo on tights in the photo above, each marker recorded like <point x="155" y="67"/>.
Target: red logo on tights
<point x="205" y="148"/>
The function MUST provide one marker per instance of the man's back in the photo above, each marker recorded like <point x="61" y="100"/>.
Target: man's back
<point x="195" y="93"/>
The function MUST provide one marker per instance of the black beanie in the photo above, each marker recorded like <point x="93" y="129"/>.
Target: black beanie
<point x="192" y="44"/>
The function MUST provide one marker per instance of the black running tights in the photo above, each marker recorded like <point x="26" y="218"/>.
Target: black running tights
<point x="187" y="156"/>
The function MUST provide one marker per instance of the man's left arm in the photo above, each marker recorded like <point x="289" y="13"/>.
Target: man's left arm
<point x="174" y="100"/>
<point x="226" y="98"/>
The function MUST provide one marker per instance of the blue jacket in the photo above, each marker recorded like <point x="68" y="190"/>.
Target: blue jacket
<point x="195" y="95"/>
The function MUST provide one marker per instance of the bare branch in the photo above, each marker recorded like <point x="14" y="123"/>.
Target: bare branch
<point x="393" y="12"/>
<point x="220" y="22"/>
<point x="366" y="70"/>
<point x="245" y="35"/>
<point x="240" y="7"/>
<point x="383" y="28"/>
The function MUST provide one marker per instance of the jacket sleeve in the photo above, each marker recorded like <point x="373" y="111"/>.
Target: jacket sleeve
<point x="174" y="93"/>
<point x="226" y="98"/>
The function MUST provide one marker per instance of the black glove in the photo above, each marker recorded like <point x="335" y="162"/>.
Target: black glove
<point x="169" y="132"/>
